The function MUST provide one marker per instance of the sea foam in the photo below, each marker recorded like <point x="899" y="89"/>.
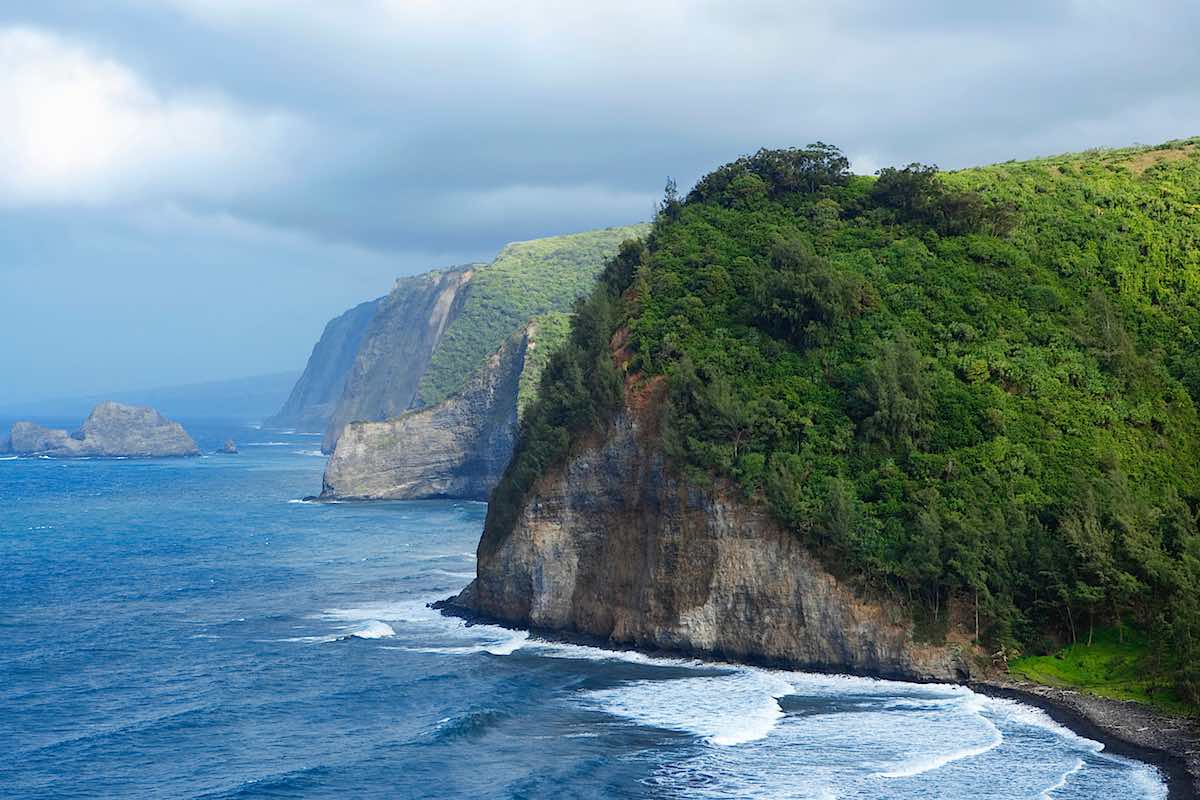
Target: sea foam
<point x="731" y="709"/>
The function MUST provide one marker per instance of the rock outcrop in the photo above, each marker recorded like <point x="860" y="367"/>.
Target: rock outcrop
<point x="614" y="545"/>
<point x="457" y="448"/>
<point x="229" y="448"/>
<point x="311" y="403"/>
<point x="396" y="349"/>
<point x="111" y="430"/>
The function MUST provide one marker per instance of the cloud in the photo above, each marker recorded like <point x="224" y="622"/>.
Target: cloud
<point x="305" y="151"/>
<point x="84" y="128"/>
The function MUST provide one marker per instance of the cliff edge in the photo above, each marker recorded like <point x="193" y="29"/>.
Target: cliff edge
<point x="457" y="448"/>
<point x="395" y="350"/>
<point x="614" y="545"/>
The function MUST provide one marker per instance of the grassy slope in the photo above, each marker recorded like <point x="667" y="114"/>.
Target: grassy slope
<point x="1007" y="420"/>
<point x="526" y="279"/>
<point x="1111" y="666"/>
<point x="550" y="333"/>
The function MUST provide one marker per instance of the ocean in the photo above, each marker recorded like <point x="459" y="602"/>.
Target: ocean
<point x="192" y="629"/>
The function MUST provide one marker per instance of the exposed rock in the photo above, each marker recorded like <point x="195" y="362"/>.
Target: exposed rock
<point x="396" y="349"/>
<point x="615" y="546"/>
<point x="229" y="448"/>
<point x="29" y="437"/>
<point x="457" y="448"/>
<point x="314" y="397"/>
<point x="112" y="429"/>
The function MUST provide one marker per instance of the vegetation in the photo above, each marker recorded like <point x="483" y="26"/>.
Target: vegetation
<point x="525" y="280"/>
<point x="1113" y="666"/>
<point x="975" y="391"/>
<point x="549" y="333"/>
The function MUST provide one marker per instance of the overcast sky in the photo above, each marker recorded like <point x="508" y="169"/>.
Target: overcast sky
<point x="190" y="189"/>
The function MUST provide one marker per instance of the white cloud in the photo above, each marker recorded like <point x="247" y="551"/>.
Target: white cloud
<point x="80" y="127"/>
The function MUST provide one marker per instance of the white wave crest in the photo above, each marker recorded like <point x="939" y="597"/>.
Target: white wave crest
<point x="1030" y="716"/>
<point x="371" y="629"/>
<point x="313" y="453"/>
<point x="1048" y="792"/>
<point x="731" y="709"/>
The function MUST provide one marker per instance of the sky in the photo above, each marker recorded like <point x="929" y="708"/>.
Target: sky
<point x="190" y="189"/>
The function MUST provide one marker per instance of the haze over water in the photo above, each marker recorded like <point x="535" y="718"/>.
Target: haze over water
<point x="190" y="629"/>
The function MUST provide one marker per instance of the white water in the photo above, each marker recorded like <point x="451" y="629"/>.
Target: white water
<point x="777" y="733"/>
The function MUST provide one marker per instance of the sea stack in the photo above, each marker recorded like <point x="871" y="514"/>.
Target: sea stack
<point x="112" y="430"/>
<point x="229" y="448"/>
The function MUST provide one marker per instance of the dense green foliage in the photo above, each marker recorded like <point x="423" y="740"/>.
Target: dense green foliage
<point x="548" y="334"/>
<point x="976" y="391"/>
<point x="526" y="279"/>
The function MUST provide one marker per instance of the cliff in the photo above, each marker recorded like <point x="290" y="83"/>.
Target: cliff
<point x="972" y="392"/>
<point x="396" y="348"/>
<point x="111" y="430"/>
<point x="525" y="280"/>
<point x="457" y="448"/>
<point x="615" y="546"/>
<point x="311" y="403"/>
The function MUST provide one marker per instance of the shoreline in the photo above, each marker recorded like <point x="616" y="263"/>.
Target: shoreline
<point x="1124" y="728"/>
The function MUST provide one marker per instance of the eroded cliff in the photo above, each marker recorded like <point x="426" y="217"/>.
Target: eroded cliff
<point x="457" y="448"/>
<point x="311" y="404"/>
<point x="395" y="351"/>
<point x="614" y="545"/>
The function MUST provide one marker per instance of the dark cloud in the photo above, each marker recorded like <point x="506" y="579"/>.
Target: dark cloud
<point x="387" y="133"/>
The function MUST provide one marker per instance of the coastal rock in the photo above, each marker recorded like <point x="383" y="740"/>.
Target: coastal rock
<point x="111" y="430"/>
<point x="615" y="546"/>
<point x="311" y="403"/>
<point x="229" y="448"/>
<point x="28" y="437"/>
<point x="457" y="448"/>
<point x="395" y="350"/>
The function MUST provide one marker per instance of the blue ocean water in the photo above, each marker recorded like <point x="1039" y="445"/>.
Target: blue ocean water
<point x="190" y="629"/>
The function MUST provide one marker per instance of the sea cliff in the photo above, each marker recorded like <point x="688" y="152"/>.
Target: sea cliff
<point x="614" y="545"/>
<point x="396" y="348"/>
<point x="457" y="448"/>
<point x="312" y="401"/>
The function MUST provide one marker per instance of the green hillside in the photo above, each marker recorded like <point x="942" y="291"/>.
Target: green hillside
<point x="975" y="390"/>
<point x="551" y="331"/>
<point x="525" y="280"/>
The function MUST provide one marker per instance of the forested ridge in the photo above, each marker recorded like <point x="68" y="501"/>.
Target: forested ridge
<point x="976" y="388"/>
<point x="526" y="279"/>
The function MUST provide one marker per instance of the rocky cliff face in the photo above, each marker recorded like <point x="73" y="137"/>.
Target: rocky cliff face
<point x="457" y="448"/>
<point x="112" y="429"/>
<point x="614" y="546"/>
<point x="396" y="348"/>
<point x="311" y="404"/>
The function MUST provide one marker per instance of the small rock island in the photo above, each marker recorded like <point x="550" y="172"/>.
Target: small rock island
<point x="112" y="430"/>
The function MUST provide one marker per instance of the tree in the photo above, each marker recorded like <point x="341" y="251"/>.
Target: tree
<point x="894" y="396"/>
<point x="804" y="295"/>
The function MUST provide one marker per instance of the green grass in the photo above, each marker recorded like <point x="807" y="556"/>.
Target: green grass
<point x="525" y="280"/>
<point x="550" y="332"/>
<point x="1111" y="666"/>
